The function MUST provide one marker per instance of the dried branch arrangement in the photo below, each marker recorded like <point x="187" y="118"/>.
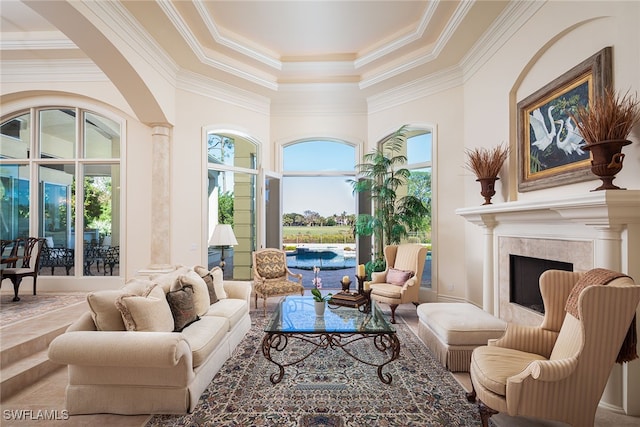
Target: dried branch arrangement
<point x="608" y="118"/>
<point x="486" y="163"/>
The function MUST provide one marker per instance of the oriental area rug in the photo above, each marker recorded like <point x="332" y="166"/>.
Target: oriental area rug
<point x="330" y="389"/>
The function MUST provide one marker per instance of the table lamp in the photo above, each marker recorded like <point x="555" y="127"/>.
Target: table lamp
<point x="222" y="238"/>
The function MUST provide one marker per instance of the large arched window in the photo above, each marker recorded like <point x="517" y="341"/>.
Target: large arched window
<point x="418" y="151"/>
<point x="318" y="202"/>
<point x="60" y="179"/>
<point x="232" y="174"/>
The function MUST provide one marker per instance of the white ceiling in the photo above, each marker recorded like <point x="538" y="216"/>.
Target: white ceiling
<point x="262" y="45"/>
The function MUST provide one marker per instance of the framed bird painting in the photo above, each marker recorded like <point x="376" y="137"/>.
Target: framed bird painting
<point x="550" y="148"/>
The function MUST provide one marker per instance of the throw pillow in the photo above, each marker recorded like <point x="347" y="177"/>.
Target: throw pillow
<point x="104" y="312"/>
<point x="167" y="280"/>
<point x="182" y="307"/>
<point x="218" y="282"/>
<point x="398" y="277"/>
<point x="208" y="279"/>
<point x="148" y="312"/>
<point x="200" y="291"/>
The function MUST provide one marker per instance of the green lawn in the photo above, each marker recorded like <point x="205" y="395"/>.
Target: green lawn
<point x="303" y="234"/>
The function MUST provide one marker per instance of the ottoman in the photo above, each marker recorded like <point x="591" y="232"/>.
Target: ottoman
<point x="452" y="330"/>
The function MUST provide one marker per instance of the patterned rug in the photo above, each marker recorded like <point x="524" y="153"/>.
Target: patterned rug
<point x="33" y="305"/>
<point x="330" y="389"/>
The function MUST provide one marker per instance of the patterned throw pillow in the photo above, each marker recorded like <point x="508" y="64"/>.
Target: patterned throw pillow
<point x="182" y="307"/>
<point x="200" y="291"/>
<point x="398" y="277"/>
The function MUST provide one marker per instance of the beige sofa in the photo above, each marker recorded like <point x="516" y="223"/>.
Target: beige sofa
<point x="114" y="369"/>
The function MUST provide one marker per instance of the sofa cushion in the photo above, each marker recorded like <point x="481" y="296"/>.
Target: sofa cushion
<point x="200" y="292"/>
<point x="182" y="307"/>
<point x="232" y="309"/>
<point x="102" y="304"/>
<point x="148" y="312"/>
<point x="208" y="279"/>
<point x="398" y="277"/>
<point x="166" y="280"/>
<point x="104" y="312"/>
<point x="218" y="282"/>
<point x="204" y="336"/>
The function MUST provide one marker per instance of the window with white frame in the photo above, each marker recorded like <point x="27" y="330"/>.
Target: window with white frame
<point x="60" y="180"/>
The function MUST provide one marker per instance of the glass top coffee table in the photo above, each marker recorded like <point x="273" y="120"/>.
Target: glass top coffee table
<point x="295" y="320"/>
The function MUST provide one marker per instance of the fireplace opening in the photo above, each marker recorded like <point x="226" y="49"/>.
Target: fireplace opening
<point x="524" y="275"/>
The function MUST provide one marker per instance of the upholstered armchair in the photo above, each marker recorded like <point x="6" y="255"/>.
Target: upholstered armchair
<point x="399" y="283"/>
<point x="272" y="277"/>
<point x="559" y="369"/>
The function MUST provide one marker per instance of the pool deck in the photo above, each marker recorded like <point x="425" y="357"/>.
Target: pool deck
<point x="330" y="278"/>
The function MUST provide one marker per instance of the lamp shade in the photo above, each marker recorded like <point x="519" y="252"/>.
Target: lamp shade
<point x="223" y="236"/>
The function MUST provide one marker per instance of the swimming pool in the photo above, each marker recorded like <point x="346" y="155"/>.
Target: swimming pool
<point x="325" y="258"/>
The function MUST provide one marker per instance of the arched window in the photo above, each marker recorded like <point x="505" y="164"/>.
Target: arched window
<point x="418" y="151"/>
<point x="232" y="175"/>
<point x="60" y="179"/>
<point x="318" y="202"/>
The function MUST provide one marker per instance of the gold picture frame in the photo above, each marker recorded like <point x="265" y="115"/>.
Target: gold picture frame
<point x="549" y="147"/>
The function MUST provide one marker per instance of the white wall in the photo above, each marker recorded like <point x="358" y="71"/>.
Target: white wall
<point x="558" y="37"/>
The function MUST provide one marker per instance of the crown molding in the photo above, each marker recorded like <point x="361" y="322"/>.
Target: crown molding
<point x="446" y="34"/>
<point x="402" y="41"/>
<point x="219" y="91"/>
<point x="515" y="15"/>
<point x="42" y="40"/>
<point x="328" y="99"/>
<point x="124" y="26"/>
<point x="267" y="59"/>
<point x="417" y="89"/>
<point x="191" y="40"/>
<point x="46" y="71"/>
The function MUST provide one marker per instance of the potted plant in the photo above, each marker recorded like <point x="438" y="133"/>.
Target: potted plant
<point x="605" y="126"/>
<point x="486" y="164"/>
<point x="382" y="174"/>
<point x="319" y="300"/>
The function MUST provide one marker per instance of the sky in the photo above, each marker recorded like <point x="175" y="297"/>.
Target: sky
<point x="330" y="195"/>
<point x="325" y="195"/>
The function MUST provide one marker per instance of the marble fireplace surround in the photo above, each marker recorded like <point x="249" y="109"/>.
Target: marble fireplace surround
<point x="596" y="229"/>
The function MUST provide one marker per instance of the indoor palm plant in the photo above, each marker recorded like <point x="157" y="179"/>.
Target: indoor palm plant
<point x="382" y="174"/>
<point x="486" y="164"/>
<point x="605" y="126"/>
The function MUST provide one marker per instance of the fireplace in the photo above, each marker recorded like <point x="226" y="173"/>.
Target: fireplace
<point x="524" y="275"/>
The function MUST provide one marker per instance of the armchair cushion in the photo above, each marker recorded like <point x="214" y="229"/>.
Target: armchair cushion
<point x="494" y="365"/>
<point x="149" y="312"/>
<point x="398" y="277"/>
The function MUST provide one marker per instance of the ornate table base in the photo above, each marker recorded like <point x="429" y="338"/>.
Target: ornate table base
<point x="386" y="343"/>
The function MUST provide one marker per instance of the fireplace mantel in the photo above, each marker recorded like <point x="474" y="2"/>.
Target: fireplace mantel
<point x="598" y="208"/>
<point x="596" y="229"/>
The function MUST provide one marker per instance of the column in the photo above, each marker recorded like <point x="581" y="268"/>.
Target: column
<point x="161" y="195"/>
<point x="608" y="254"/>
<point x="488" y="286"/>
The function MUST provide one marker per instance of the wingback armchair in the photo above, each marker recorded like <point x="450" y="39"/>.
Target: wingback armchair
<point x="559" y="369"/>
<point x="272" y="277"/>
<point x="399" y="283"/>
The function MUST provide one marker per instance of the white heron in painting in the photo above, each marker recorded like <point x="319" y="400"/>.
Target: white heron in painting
<point x="573" y="141"/>
<point x="544" y="137"/>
